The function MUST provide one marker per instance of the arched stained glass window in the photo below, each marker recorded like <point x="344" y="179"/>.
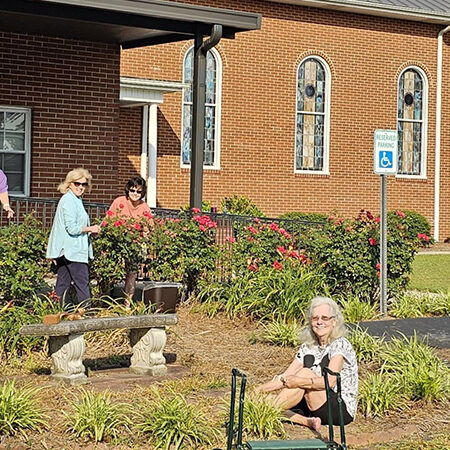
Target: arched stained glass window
<point x="312" y="116"/>
<point x="411" y="122"/>
<point x="212" y="109"/>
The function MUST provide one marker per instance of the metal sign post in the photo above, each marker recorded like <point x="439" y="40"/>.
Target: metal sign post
<point x="385" y="163"/>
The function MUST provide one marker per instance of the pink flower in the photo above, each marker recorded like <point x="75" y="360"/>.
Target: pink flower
<point x="195" y="210"/>
<point x="252" y="230"/>
<point x="201" y="228"/>
<point x="377" y="220"/>
<point x="378" y="266"/>
<point x="256" y="220"/>
<point x="117" y="223"/>
<point x="137" y="226"/>
<point x="104" y="223"/>
<point x="109" y="213"/>
<point x="281" y="249"/>
<point x="121" y="206"/>
<point x="400" y="214"/>
<point x="230" y="239"/>
<point x="273" y="226"/>
<point x="185" y="228"/>
<point x="147" y="214"/>
<point x="373" y="241"/>
<point x="277" y="266"/>
<point x="423" y="236"/>
<point x="378" y="274"/>
<point x="253" y="267"/>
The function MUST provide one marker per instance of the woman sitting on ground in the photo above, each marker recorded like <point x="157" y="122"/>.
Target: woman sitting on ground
<point x="132" y="205"/>
<point x="302" y="386"/>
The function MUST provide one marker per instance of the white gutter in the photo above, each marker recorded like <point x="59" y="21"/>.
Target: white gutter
<point x="437" y="160"/>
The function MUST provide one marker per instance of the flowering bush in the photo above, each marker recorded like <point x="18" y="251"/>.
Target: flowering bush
<point x="259" y="245"/>
<point x="182" y="249"/>
<point x="121" y="245"/>
<point x="240" y="205"/>
<point x="348" y="252"/>
<point x="415" y="226"/>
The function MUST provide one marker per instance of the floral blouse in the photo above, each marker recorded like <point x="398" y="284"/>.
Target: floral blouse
<point x="315" y="358"/>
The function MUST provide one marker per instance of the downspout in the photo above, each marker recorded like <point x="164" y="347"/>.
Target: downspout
<point x="144" y="140"/>
<point x="198" y="112"/>
<point x="437" y="161"/>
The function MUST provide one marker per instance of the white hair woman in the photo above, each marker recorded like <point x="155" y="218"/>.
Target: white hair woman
<point x="69" y="244"/>
<point x="302" y="387"/>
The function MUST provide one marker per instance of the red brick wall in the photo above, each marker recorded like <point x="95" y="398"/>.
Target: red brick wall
<point x="72" y="88"/>
<point x="365" y="55"/>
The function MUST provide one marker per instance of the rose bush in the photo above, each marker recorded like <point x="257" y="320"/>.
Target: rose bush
<point x="121" y="245"/>
<point x="182" y="249"/>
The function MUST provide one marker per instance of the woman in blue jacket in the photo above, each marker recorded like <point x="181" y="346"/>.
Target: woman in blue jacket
<point x="69" y="244"/>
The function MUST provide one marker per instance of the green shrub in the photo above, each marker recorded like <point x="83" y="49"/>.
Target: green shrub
<point x="419" y="372"/>
<point x="419" y="305"/>
<point x="241" y="206"/>
<point x="269" y="293"/>
<point x="14" y="316"/>
<point x="378" y="394"/>
<point x="367" y="347"/>
<point x="121" y="245"/>
<point x="96" y="417"/>
<point x="18" y="409"/>
<point x="22" y="259"/>
<point x="172" y="423"/>
<point x="348" y="253"/>
<point x="305" y="216"/>
<point x="263" y="419"/>
<point x="281" y="332"/>
<point x="415" y="225"/>
<point x="356" y="308"/>
<point x="182" y="249"/>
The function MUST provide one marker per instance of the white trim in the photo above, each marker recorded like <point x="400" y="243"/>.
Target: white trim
<point x="144" y="139"/>
<point x="326" y="131"/>
<point x="27" y="147"/>
<point x="424" y="120"/>
<point x="218" y="117"/>
<point x="152" y="155"/>
<point x="374" y="9"/>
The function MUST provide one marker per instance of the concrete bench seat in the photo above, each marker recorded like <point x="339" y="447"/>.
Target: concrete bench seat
<point x="67" y="346"/>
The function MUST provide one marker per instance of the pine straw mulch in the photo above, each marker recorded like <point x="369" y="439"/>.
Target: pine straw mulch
<point x="202" y="346"/>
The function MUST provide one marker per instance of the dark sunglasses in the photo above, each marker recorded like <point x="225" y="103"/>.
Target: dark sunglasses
<point x="78" y="184"/>
<point x="136" y="191"/>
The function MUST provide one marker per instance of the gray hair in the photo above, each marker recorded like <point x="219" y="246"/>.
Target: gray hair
<point x="307" y="335"/>
<point x="74" y="175"/>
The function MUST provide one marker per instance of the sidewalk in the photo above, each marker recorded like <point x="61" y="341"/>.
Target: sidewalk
<point x="436" y="249"/>
<point x="435" y="330"/>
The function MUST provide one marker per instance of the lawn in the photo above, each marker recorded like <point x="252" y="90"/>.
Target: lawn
<point x="431" y="273"/>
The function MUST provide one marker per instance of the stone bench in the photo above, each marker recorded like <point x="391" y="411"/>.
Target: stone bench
<point x="66" y="343"/>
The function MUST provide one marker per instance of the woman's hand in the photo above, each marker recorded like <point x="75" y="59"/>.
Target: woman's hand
<point x="9" y="210"/>
<point x="291" y="381"/>
<point x="94" y="229"/>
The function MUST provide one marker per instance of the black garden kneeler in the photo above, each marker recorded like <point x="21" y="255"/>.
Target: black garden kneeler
<point x="304" y="444"/>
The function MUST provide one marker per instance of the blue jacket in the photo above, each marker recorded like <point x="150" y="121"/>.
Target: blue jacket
<point x="66" y="236"/>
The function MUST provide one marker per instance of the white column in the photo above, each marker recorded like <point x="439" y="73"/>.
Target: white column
<point x="144" y="140"/>
<point x="152" y="154"/>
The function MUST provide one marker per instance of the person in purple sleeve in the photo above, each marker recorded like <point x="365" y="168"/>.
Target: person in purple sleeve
<point x="4" y="199"/>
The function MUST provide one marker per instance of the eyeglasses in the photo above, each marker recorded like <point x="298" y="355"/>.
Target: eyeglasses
<point x="135" y="191"/>
<point x="322" y="318"/>
<point x="78" y="184"/>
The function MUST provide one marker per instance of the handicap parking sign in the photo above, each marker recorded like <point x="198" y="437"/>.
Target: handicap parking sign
<point x="385" y="152"/>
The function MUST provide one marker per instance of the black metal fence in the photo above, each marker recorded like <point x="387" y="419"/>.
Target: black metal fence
<point x="228" y="225"/>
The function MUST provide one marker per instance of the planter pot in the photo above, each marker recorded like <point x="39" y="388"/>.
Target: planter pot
<point x="164" y="295"/>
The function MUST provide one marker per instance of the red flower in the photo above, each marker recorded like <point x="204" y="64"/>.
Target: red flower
<point x="253" y="267"/>
<point x="252" y="230"/>
<point x="369" y="215"/>
<point x="377" y="220"/>
<point x="278" y="266"/>
<point x="230" y="239"/>
<point x="147" y="214"/>
<point x="256" y="220"/>
<point x="373" y="241"/>
<point x="195" y="210"/>
<point x="104" y="223"/>
<point x="137" y="226"/>
<point x="378" y="274"/>
<point x="423" y="236"/>
<point x="201" y="228"/>
<point x="273" y="226"/>
<point x="109" y="213"/>
<point x="121" y="206"/>
<point x="378" y="266"/>
<point x="118" y="223"/>
<point x="400" y="214"/>
<point x="281" y="249"/>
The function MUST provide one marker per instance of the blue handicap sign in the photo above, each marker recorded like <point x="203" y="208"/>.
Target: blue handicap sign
<point x="386" y="159"/>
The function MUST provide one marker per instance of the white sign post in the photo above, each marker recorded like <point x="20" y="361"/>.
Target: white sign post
<point x="385" y="158"/>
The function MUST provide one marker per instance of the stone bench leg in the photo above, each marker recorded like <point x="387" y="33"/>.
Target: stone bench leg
<point x="148" y="345"/>
<point x="67" y="357"/>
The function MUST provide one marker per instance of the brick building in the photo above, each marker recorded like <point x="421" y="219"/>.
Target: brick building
<point x="292" y="109"/>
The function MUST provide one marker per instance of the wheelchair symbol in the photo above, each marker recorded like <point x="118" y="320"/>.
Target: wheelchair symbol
<point x="385" y="160"/>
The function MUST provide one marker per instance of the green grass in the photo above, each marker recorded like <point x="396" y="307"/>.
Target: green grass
<point x="431" y="273"/>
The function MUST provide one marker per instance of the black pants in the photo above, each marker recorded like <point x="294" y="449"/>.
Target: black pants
<point x="322" y="412"/>
<point x="72" y="274"/>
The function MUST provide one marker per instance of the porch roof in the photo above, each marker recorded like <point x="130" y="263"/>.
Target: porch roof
<point x="130" y="23"/>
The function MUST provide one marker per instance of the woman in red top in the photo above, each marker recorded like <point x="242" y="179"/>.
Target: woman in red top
<point x="131" y="205"/>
